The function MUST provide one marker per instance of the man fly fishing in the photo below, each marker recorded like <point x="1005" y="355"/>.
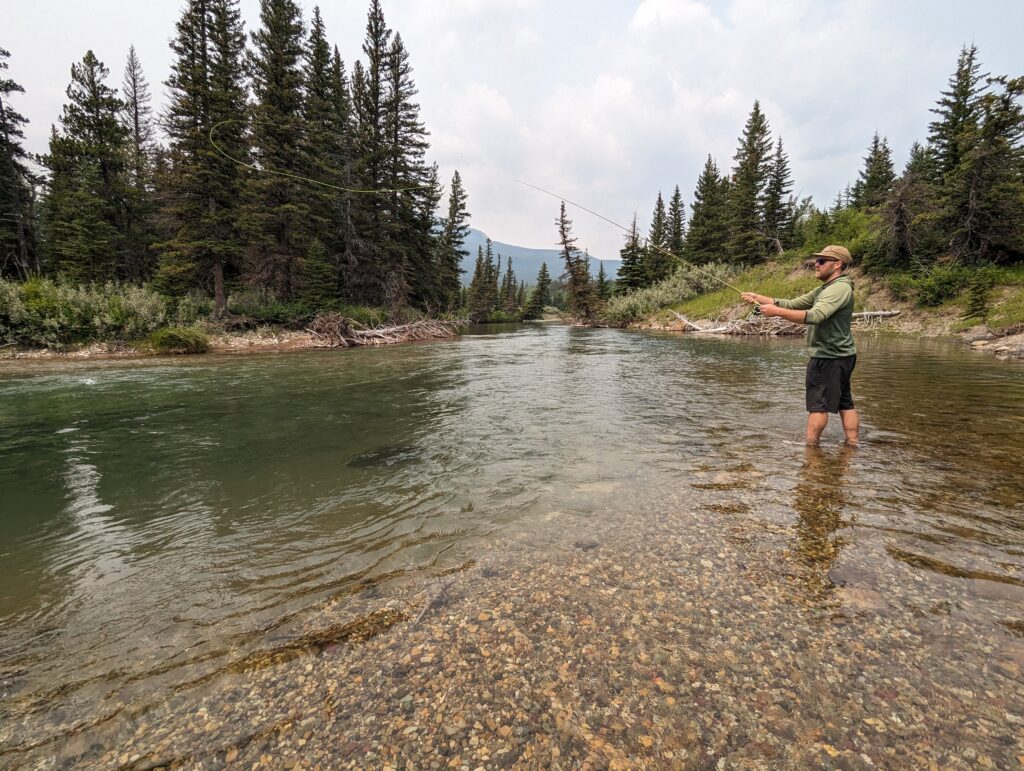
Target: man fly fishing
<point x="827" y="311"/>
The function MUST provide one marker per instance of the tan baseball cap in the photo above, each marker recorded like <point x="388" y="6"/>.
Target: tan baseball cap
<point x="836" y="252"/>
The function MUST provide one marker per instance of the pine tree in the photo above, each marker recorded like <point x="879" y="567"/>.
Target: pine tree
<point x="633" y="269"/>
<point x="658" y="264"/>
<point x="540" y="296"/>
<point x="777" y="203"/>
<point x="521" y="297"/>
<point x="604" y="286"/>
<point x="18" y="255"/>
<point x="275" y="216"/>
<point x="454" y="230"/>
<point x="983" y="209"/>
<point x="876" y="177"/>
<point x="374" y="268"/>
<point x="85" y="213"/>
<point x="706" y="238"/>
<point x="139" y="203"/>
<point x="475" y="296"/>
<point x="509" y="288"/>
<point x="412" y="206"/>
<point x="323" y="142"/>
<point x="676" y="223"/>
<point x="958" y="113"/>
<point x="319" y="276"/>
<point x="747" y="242"/>
<point x="201" y="186"/>
<point x="582" y="298"/>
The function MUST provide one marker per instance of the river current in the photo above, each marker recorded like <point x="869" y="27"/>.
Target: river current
<point x="163" y="519"/>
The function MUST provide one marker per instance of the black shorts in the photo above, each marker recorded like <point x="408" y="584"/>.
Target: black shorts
<point x="828" y="384"/>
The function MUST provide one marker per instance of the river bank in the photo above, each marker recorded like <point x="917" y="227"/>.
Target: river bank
<point x="1004" y="338"/>
<point x="265" y="339"/>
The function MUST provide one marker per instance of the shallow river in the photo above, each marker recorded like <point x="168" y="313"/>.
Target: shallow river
<point x="162" y="520"/>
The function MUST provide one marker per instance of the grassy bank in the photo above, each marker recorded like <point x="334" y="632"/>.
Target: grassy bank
<point x="943" y="300"/>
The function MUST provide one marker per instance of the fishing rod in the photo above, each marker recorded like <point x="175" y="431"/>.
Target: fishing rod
<point x="627" y="230"/>
<point x="288" y="174"/>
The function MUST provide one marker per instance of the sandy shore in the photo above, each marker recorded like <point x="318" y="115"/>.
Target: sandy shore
<point x="692" y="633"/>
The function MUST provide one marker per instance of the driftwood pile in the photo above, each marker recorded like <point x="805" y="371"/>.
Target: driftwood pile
<point x="333" y="330"/>
<point x="765" y="326"/>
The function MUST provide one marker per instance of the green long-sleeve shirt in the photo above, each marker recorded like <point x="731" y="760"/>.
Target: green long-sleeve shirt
<point x="829" y="314"/>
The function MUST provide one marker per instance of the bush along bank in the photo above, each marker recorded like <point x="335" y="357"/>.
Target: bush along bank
<point x="42" y="315"/>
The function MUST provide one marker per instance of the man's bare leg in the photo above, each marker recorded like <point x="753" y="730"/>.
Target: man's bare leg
<point x="851" y="425"/>
<point x="816" y="422"/>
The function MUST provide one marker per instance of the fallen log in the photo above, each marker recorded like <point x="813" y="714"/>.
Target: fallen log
<point x="333" y="330"/>
<point x="876" y="314"/>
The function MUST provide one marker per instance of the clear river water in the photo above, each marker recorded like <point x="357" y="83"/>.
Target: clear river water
<point x="162" y="519"/>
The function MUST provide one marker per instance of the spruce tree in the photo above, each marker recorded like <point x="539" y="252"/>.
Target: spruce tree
<point x="777" y="204"/>
<point x="412" y="207"/>
<point x="581" y="295"/>
<point x="509" y="288"/>
<point x="676" y="223"/>
<point x="747" y="241"/>
<point x="706" y="238"/>
<point x="202" y="185"/>
<point x="323" y="141"/>
<point x="475" y="296"/>
<point x="275" y="216"/>
<point x="18" y="255"/>
<point x="319" y="278"/>
<point x="877" y="176"/>
<point x="983" y="207"/>
<point x="85" y="212"/>
<point x="374" y="268"/>
<point x="633" y="269"/>
<point x="958" y="113"/>
<point x="658" y="264"/>
<point x="540" y="296"/>
<point x="139" y="203"/>
<point x="604" y="286"/>
<point x="454" y="231"/>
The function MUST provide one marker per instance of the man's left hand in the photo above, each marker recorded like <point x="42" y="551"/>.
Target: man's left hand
<point x="769" y="309"/>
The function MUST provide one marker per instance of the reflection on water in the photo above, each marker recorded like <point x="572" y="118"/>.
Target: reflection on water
<point x="166" y="521"/>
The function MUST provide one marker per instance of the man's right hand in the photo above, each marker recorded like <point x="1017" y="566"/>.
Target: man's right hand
<point x="760" y="299"/>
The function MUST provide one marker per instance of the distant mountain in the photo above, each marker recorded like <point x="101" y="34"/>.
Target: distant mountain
<point x="526" y="262"/>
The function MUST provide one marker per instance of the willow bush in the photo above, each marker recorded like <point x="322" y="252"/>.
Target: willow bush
<point x="686" y="283"/>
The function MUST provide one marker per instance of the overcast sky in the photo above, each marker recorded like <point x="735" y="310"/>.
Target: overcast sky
<point x="605" y="103"/>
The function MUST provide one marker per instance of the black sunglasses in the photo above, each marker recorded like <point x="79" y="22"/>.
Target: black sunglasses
<point x="823" y="260"/>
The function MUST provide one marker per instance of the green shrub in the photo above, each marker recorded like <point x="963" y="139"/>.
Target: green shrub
<point x="41" y="312"/>
<point x="180" y="340"/>
<point x="192" y="307"/>
<point x="264" y="306"/>
<point x="685" y="283"/>
<point x="902" y="285"/>
<point x="942" y="283"/>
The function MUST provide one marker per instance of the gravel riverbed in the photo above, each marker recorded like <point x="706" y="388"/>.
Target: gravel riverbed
<point x="700" y="633"/>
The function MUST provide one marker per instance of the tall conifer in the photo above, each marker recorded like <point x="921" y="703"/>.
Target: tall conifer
<point x="676" y="223"/>
<point x="633" y="268"/>
<point x="18" y="256"/>
<point x="202" y="187"/>
<point x="707" y="236"/>
<point x="747" y="241"/>
<point x="85" y="212"/>
<point x="777" y="203"/>
<point x="275" y="217"/>
<point x="659" y="264"/>
<point x="450" y="252"/>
